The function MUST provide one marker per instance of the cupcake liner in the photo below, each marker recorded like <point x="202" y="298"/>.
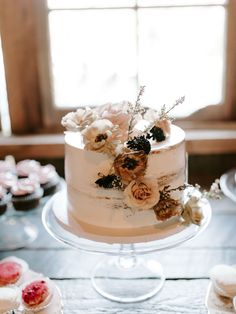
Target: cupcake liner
<point x="4" y="203"/>
<point x="27" y="202"/>
<point x="50" y="187"/>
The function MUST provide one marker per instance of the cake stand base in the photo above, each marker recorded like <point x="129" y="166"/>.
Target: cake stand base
<point x="124" y="275"/>
<point x="128" y="279"/>
<point x="16" y="232"/>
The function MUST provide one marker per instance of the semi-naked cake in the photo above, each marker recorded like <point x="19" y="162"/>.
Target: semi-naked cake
<point x="125" y="169"/>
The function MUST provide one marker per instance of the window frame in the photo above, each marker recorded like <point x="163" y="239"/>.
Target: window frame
<point x="200" y="119"/>
<point x="24" y="23"/>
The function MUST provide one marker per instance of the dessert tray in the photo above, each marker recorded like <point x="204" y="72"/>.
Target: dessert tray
<point x="111" y="277"/>
<point x="228" y="184"/>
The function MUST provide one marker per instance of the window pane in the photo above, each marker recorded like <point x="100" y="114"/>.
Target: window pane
<point x="93" y="56"/>
<point x="181" y="52"/>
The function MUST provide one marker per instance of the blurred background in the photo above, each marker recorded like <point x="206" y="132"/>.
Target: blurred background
<point x="57" y="55"/>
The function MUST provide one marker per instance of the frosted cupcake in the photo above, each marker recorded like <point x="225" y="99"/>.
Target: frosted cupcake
<point x="37" y="295"/>
<point x="26" y="194"/>
<point x="9" y="300"/>
<point x="7" y="180"/>
<point x="13" y="271"/>
<point x="48" y="179"/>
<point x="7" y="166"/>
<point x="25" y="167"/>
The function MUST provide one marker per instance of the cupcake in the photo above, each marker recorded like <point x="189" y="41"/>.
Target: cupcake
<point x="37" y="295"/>
<point x="12" y="271"/>
<point x="25" y="167"/>
<point x="4" y="200"/>
<point x="9" y="299"/>
<point x="48" y="179"/>
<point x="26" y="194"/>
<point x="7" y="166"/>
<point x="7" y="180"/>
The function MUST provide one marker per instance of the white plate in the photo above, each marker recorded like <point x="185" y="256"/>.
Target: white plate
<point x="56" y="306"/>
<point x="228" y="184"/>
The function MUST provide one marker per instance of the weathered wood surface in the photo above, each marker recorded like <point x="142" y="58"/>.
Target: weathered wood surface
<point x="186" y="268"/>
<point x="180" y="296"/>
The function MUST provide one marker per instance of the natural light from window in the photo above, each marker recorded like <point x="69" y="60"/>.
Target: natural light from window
<point x="4" y="112"/>
<point x="175" y="48"/>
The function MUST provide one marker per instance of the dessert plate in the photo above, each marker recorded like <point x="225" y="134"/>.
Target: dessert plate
<point x="56" y="305"/>
<point x="228" y="184"/>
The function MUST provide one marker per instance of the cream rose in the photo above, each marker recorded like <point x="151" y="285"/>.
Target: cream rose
<point x="142" y="195"/>
<point x="118" y="115"/>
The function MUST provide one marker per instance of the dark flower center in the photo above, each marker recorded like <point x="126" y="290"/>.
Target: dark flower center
<point x="110" y="181"/>
<point x="156" y="134"/>
<point x="100" y="137"/>
<point x="129" y="163"/>
<point x="139" y="143"/>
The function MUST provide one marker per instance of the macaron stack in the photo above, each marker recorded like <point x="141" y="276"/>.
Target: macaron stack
<point x="223" y="278"/>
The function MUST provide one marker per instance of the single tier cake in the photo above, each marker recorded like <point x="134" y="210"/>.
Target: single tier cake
<point x="125" y="168"/>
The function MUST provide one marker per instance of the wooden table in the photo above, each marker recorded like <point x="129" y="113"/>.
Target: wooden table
<point x="186" y="268"/>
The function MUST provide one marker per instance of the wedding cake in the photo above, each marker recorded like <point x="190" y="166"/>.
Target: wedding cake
<point x="125" y="169"/>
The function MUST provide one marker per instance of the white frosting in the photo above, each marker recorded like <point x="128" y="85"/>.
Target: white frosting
<point x="25" y="167"/>
<point x="24" y="187"/>
<point x="105" y="207"/>
<point x="9" y="299"/>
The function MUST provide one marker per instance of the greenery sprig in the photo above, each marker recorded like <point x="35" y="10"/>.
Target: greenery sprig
<point x="164" y="111"/>
<point x="135" y="109"/>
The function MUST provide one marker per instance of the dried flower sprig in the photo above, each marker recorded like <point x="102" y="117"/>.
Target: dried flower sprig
<point x="213" y="193"/>
<point x="164" y="111"/>
<point x="163" y="115"/>
<point x="134" y="110"/>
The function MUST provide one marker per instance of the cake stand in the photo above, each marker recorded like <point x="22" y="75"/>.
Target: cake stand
<point x="123" y="274"/>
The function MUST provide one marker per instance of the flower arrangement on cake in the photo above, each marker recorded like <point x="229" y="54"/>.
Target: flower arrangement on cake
<point x="126" y="133"/>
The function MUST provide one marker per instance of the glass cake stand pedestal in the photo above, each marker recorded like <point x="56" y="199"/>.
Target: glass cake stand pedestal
<point x="124" y="274"/>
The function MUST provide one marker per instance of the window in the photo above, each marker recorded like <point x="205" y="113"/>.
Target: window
<point x="88" y="52"/>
